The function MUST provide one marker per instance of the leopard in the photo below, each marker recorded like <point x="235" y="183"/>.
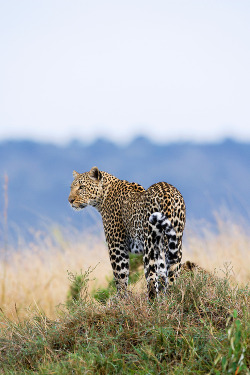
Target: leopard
<point x="136" y="220"/>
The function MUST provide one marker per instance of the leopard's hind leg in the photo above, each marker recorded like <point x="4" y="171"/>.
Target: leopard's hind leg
<point x="154" y="260"/>
<point x="173" y="254"/>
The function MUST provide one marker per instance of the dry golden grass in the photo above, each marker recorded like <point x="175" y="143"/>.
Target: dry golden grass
<point x="36" y="274"/>
<point x="226" y="250"/>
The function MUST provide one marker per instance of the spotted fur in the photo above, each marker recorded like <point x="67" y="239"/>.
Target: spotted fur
<point x="136" y="220"/>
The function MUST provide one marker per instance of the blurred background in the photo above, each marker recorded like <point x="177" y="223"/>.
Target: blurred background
<point x="146" y="90"/>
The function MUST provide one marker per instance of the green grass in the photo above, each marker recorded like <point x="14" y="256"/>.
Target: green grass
<point x="200" y="327"/>
<point x="135" y="273"/>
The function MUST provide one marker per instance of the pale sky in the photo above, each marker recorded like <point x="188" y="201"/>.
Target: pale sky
<point x="170" y="70"/>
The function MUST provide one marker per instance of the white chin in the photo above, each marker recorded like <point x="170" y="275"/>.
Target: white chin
<point x="77" y="208"/>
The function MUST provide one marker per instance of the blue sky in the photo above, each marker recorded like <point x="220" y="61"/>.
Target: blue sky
<point x="170" y="70"/>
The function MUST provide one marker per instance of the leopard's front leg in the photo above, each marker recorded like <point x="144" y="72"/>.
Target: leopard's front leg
<point x="118" y="254"/>
<point x="119" y="258"/>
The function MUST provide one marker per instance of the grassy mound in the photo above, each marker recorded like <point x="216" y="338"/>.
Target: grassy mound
<point x="200" y="327"/>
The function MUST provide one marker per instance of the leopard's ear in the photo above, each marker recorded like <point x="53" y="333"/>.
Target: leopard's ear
<point x="95" y="174"/>
<point x="75" y="174"/>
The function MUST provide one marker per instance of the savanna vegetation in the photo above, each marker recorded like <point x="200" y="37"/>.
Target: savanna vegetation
<point x="60" y="313"/>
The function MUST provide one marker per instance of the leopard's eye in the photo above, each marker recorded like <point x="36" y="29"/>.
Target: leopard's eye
<point x="81" y="187"/>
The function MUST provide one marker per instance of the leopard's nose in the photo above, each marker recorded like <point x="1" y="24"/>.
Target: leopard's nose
<point x="70" y="199"/>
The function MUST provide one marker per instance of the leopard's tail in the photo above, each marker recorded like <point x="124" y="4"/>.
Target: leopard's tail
<point x="162" y="224"/>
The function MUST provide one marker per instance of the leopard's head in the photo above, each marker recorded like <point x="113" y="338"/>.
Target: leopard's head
<point x="86" y="189"/>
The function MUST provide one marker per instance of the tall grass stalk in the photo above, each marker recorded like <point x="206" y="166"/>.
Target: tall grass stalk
<point x="5" y="248"/>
